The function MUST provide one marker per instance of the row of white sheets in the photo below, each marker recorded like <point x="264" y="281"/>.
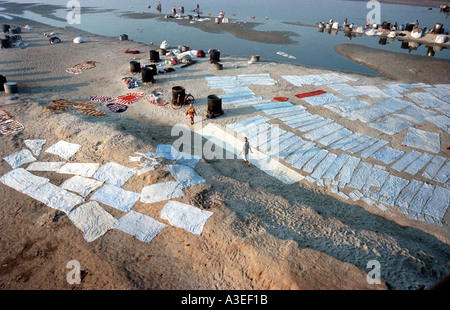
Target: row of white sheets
<point x="328" y="133"/>
<point x="391" y="115"/>
<point x="94" y="221"/>
<point x="91" y="218"/>
<point x="88" y="178"/>
<point x="326" y="166"/>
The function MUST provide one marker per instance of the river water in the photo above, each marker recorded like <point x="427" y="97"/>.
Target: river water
<point x="312" y="48"/>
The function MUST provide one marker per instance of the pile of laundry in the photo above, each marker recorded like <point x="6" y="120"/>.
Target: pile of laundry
<point x="130" y="82"/>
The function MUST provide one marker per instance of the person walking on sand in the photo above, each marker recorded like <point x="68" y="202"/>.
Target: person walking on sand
<point x="245" y="149"/>
<point x="174" y="11"/>
<point x="191" y="114"/>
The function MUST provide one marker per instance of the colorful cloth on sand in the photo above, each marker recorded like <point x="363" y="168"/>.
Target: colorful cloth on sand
<point x="310" y="94"/>
<point x="10" y="126"/>
<point x="132" y="52"/>
<point x="129" y="98"/>
<point x="79" y="68"/>
<point x="101" y="99"/>
<point x="92" y="112"/>
<point x="282" y="99"/>
<point x="84" y="105"/>
<point x="130" y="82"/>
<point x="61" y="102"/>
<point x="117" y="107"/>
<point x="4" y="115"/>
<point x="56" y="107"/>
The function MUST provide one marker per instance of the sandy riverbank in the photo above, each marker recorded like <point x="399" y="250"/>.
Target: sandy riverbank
<point x="266" y="235"/>
<point x="396" y="66"/>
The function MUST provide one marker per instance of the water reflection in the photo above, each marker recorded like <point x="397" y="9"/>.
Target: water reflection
<point x="385" y="39"/>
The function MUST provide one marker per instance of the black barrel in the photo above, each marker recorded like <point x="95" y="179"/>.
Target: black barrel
<point x="135" y="66"/>
<point x="5" y="43"/>
<point x="5" y="28"/>
<point x="215" y="104"/>
<point x="154" y="56"/>
<point x="147" y="75"/>
<point x="153" y="67"/>
<point x="162" y="52"/>
<point x="178" y="95"/>
<point x="2" y="81"/>
<point x="214" y="55"/>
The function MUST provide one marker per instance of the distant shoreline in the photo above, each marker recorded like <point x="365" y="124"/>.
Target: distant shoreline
<point x="424" y="3"/>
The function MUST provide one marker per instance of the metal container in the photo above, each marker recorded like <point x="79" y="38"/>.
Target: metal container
<point x="11" y="87"/>
<point x="154" y="56"/>
<point x="135" y="66"/>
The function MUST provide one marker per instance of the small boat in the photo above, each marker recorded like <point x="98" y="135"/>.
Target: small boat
<point x="253" y="17"/>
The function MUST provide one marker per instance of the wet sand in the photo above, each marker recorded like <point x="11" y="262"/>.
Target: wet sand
<point x="398" y="66"/>
<point x="265" y="235"/>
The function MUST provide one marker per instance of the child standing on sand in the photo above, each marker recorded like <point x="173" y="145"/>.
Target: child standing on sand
<point x="245" y="149"/>
<point x="191" y="114"/>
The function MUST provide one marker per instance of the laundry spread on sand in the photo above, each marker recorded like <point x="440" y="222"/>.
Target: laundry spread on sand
<point x="93" y="112"/>
<point x="57" y="108"/>
<point x="117" y="107"/>
<point x="92" y="220"/>
<point x="101" y="99"/>
<point x="280" y="98"/>
<point x="318" y="79"/>
<point x="63" y="149"/>
<point x="319" y="100"/>
<point x="393" y="104"/>
<point x="185" y="216"/>
<point x="114" y="174"/>
<point x="4" y="115"/>
<point x="390" y="125"/>
<point x="167" y="151"/>
<point x="81" y="169"/>
<point x="129" y="98"/>
<point x="116" y="197"/>
<point x="415" y="114"/>
<point x="81" y="185"/>
<point x="45" y="166"/>
<point x="388" y="155"/>
<point x="406" y="160"/>
<point x="79" y="68"/>
<point x="56" y="197"/>
<point x="35" y="146"/>
<point x="23" y="181"/>
<point x="424" y="140"/>
<point x="141" y="226"/>
<point x="433" y="167"/>
<point x="162" y="191"/>
<point x="185" y="175"/>
<point x="19" y="158"/>
<point x="84" y="105"/>
<point x="10" y="126"/>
